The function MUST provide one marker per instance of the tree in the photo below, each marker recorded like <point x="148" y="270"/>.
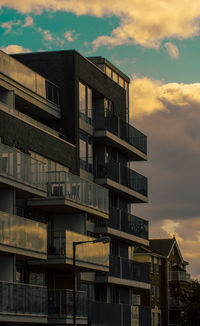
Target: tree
<point x="190" y="297"/>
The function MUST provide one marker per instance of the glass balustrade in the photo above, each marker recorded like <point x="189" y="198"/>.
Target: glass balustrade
<point x="22" y="299"/>
<point x="74" y="188"/>
<point x="124" y="131"/>
<point x="179" y="276"/>
<point x="128" y="269"/>
<point x="60" y="302"/>
<point x="123" y="175"/>
<point x="125" y="222"/>
<point x="28" y="78"/>
<point x="22" y="168"/>
<point x="92" y="253"/>
<point x="23" y="233"/>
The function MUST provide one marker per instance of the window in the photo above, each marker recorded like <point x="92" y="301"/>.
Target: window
<point x="108" y="108"/>
<point x="152" y="264"/>
<point x="115" y="77"/>
<point x="153" y="290"/>
<point x="158" y="293"/>
<point x="86" y="152"/>
<point x="108" y="72"/>
<point x="85" y="103"/>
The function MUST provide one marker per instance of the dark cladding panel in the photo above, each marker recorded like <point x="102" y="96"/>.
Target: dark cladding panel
<point x="28" y="138"/>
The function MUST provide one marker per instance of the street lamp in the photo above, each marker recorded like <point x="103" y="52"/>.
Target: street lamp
<point x="77" y="243"/>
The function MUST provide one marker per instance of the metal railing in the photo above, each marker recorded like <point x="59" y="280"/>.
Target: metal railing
<point x="123" y="175"/>
<point x="19" y="298"/>
<point x="20" y="232"/>
<point x="125" y="222"/>
<point x="22" y="168"/>
<point x="91" y="253"/>
<point x="112" y="314"/>
<point x="60" y="302"/>
<point x="74" y="188"/>
<point x="128" y="269"/>
<point x="126" y="132"/>
<point x="179" y="276"/>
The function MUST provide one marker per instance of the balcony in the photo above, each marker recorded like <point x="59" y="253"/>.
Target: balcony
<point x="21" y="171"/>
<point x="93" y="256"/>
<point x="127" y="272"/>
<point x="121" y="135"/>
<point x="124" y="225"/>
<point x="60" y="307"/>
<point x="112" y="314"/>
<point x="123" y="180"/>
<point x="77" y="193"/>
<point x="116" y="314"/>
<point x="179" y="276"/>
<point x="23" y="303"/>
<point x="29" y="86"/>
<point x="22" y="236"/>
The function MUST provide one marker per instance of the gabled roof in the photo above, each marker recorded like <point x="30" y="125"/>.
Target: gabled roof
<point x="164" y="246"/>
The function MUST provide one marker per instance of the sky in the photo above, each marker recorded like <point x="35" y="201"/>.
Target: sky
<point x="156" y="43"/>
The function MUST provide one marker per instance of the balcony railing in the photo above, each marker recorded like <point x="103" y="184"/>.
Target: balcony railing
<point x="22" y="168"/>
<point x="23" y="233"/>
<point x="22" y="299"/>
<point x="124" y="131"/>
<point x="91" y="253"/>
<point x="111" y="314"/>
<point x="28" y="78"/>
<point x="74" y="188"/>
<point x="128" y="269"/>
<point x="115" y="314"/>
<point x="60" y="303"/>
<point x="179" y="276"/>
<point x="125" y="222"/>
<point x="123" y="175"/>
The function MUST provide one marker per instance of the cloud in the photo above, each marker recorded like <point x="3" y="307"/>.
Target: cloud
<point x="69" y="36"/>
<point x="148" y="96"/>
<point x="28" y="22"/>
<point x="169" y="114"/>
<point x="46" y="34"/>
<point x="172" y="50"/>
<point x="11" y="49"/>
<point x="8" y="25"/>
<point x="141" y="22"/>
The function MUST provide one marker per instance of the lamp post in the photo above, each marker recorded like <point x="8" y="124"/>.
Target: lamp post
<point x="77" y="243"/>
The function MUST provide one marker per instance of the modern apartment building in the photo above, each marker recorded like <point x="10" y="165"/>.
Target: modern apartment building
<point x="65" y="177"/>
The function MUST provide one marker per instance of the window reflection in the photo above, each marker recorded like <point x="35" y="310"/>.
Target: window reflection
<point x="85" y="103"/>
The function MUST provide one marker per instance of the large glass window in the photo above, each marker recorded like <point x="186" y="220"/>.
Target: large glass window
<point x="85" y="102"/>
<point x="108" y="108"/>
<point x="86" y="152"/>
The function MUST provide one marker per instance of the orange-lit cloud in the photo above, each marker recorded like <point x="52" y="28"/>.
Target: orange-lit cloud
<point x="28" y="22"/>
<point x="69" y="35"/>
<point x="11" y="49"/>
<point x="8" y="25"/>
<point x="145" y="22"/>
<point x="148" y="96"/>
<point x="172" y="50"/>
